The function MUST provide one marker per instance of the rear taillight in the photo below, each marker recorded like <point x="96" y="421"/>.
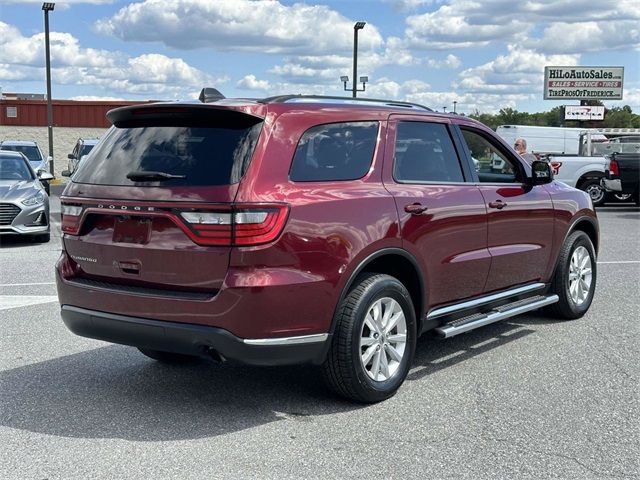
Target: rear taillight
<point x="234" y="225"/>
<point x="555" y="167"/>
<point x="71" y="218"/>
<point x="243" y="225"/>
<point x="614" y="171"/>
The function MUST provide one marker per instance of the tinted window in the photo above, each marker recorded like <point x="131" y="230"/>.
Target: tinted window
<point x="84" y="150"/>
<point x="425" y="153"/>
<point x="203" y="155"/>
<point x="31" y="152"/>
<point x="338" y="151"/>
<point x="492" y="165"/>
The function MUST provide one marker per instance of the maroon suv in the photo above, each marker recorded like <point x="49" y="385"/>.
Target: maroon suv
<point x="313" y="229"/>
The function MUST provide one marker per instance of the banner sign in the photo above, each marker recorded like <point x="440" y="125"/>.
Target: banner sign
<point x="583" y="83"/>
<point x="579" y="112"/>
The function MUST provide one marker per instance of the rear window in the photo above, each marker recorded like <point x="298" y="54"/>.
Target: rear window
<point x="193" y="153"/>
<point x="337" y="151"/>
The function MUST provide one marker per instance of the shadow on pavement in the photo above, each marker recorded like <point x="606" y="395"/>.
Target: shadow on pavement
<point x="115" y="392"/>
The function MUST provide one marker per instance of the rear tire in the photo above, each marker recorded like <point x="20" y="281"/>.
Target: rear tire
<point x="574" y="280"/>
<point x="167" y="357"/>
<point x="374" y="340"/>
<point x="596" y="192"/>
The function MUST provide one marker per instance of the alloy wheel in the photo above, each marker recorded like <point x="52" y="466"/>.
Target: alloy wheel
<point x="383" y="339"/>
<point x="580" y="275"/>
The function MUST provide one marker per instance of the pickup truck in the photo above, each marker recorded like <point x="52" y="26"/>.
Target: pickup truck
<point x="622" y="175"/>
<point x="585" y="171"/>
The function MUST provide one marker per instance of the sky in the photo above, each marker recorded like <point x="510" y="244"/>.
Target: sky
<point x="484" y="55"/>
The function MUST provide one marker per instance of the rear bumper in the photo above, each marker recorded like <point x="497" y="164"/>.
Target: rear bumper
<point x="200" y="340"/>
<point x="611" y="185"/>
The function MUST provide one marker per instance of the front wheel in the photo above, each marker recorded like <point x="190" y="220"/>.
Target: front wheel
<point x="374" y="340"/>
<point x="596" y="192"/>
<point x="574" y="280"/>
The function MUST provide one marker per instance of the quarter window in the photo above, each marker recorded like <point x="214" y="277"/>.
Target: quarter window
<point x="338" y="151"/>
<point x="424" y="152"/>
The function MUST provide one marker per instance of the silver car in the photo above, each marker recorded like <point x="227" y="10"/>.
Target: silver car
<point x="24" y="205"/>
<point x="33" y="153"/>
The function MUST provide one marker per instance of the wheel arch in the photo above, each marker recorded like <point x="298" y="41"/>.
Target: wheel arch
<point x="398" y="263"/>
<point x="588" y="226"/>
<point x="590" y="175"/>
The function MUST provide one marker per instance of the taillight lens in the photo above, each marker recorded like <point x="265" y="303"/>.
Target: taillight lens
<point x="243" y="225"/>
<point x="71" y="218"/>
<point x="613" y="168"/>
<point x="555" y="167"/>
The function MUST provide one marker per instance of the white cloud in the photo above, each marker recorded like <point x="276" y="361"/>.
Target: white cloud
<point x="65" y="50"/>
<point x="520" y="71"/>
<point x="238" y="25"/>
<point x="451" y="61"/>
<point x="590" y="36"/>
<point x="469" y="23"/>
<point x="250" y="82"/>
<point x="155" y="75"/>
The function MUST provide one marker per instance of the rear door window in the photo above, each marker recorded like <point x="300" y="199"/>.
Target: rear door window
<point x="337" y="151"/>
<point x="425" y="153"/>
<point x="192" y="153"/>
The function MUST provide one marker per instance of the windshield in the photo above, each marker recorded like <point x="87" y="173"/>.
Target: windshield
<point x="190" y="153"/>
<point x="30" y="151"/>
<point x="12" y="168"/>
<point x="85" y="149"/>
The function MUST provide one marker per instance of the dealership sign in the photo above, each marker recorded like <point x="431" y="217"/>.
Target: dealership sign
<point x="579" y="112"/>
<point x="583" y="83"/>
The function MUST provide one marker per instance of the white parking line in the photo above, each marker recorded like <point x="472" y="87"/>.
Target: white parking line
<point x="25" y="284"/>
<point x="17" y="301"/>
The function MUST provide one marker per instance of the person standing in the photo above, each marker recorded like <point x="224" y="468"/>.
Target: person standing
<point x="521" y="147"/>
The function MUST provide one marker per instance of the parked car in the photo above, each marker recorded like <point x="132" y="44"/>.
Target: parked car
<point x="623" y="175"/>
<point x="81" y="149"/>
<point x="24" y="205"/>
<point x="323" y="230"/>
<point x="33" y="153"/>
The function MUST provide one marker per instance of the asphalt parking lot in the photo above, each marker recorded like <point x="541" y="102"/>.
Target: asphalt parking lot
<point x="528" y="398"/>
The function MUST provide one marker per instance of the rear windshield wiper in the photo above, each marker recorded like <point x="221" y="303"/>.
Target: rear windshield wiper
<point x="150" y="176"/>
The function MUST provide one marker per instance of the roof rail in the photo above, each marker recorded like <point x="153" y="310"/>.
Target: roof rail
<point x="341" y="100"/>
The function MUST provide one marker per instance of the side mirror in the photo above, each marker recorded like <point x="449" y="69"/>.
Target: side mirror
<point x="49" y="160"/>
<point x="540" y="173"/>
<point x="66" y="173"/>
<point x="70" y="156"/>
<point x="44" y="176"/>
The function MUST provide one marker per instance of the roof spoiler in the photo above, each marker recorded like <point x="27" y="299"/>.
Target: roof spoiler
<point x="209" y="94"/>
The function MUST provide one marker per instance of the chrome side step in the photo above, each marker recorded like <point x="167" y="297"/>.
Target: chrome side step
<point x="503" y="312"/>
<point x="479" y="302"/>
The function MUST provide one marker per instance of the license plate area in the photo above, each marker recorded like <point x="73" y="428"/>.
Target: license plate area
<point x="135" y="230"/>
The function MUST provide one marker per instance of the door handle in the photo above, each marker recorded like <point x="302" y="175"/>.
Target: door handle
<point x="415" y="209"/>
<point x="499" y="204"/>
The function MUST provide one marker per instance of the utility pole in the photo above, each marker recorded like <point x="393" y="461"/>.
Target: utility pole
<point x="48" y="7"/>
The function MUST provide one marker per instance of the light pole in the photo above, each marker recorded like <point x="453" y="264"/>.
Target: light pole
<point x="444" y="109"/>
<point x="48" y="7"/>
<point x="363" y="80"/>
<point x="454" y="106"/>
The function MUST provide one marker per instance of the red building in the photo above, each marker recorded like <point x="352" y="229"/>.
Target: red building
<point x="66" y="113"/>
